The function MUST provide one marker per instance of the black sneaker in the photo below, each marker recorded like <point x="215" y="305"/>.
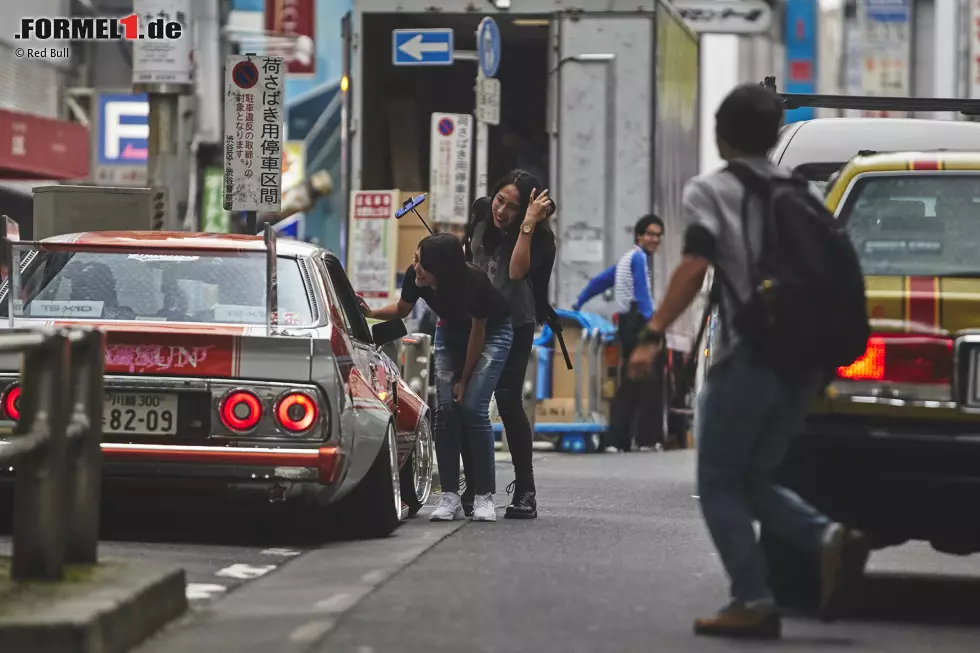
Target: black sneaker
<point x="843" y="558"/>
<point x="524" y="505"/>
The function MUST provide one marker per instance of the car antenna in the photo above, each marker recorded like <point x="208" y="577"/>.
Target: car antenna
<point x="412" y="205"/>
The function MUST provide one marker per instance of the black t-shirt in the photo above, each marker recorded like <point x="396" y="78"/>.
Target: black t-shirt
<point x="483" y="301"/>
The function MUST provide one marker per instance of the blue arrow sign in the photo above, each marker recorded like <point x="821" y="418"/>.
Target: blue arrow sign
<point x="422" y="47"/>
<point x="488" y="46"/>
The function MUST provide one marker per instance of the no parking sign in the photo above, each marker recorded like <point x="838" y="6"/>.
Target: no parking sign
<point x="450" y="153"/>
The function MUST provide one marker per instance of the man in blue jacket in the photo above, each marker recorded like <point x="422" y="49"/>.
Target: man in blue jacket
<point x="636" y="407"/>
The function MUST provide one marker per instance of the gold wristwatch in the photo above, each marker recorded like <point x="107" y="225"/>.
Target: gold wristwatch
<point x="527" y="227"/>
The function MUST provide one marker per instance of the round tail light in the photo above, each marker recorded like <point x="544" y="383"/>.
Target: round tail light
<point x="11" y="402"/>
<point x="241" y="410"/>
<point x="296" y="412"/>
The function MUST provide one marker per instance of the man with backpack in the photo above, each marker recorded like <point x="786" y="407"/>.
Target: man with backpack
<point x="790" y="298"/>
<point x="637" y="406"/>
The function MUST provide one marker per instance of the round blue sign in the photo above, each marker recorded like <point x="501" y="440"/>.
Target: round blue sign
<point x="446" y="127"/>
<point x="488" y="46"/>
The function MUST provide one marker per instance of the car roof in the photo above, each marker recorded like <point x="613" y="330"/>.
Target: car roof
<point x="182" y="240"/>
<point x="835" y="140"/>
<point x="917" y="161"/>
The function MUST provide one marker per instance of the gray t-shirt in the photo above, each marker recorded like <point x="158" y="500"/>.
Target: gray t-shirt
<point x="497" y="266"/>
<point x="714" y="201"/>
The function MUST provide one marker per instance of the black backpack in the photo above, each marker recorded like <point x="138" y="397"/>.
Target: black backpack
<point x="808" y="309"/>
<point x="540" y="275"/>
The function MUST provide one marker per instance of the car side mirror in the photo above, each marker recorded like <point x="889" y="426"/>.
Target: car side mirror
<point x="390" y="331"/>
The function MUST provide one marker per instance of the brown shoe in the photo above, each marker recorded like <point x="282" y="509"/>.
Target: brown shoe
<point x="842" y="560"/>
<point x="739" y="620"/>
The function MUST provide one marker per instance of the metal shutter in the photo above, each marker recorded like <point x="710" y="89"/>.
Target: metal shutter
<point x="29" y="86"/>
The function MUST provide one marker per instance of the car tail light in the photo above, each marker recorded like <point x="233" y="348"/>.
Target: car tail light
<point x="902" y="358"/>
<point x="297" y="412"/>
<point x="240" y="410"/>
<point x="11" y="402"/>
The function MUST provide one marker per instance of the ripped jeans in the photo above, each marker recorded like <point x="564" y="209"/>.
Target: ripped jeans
<point x="471" y="418"/>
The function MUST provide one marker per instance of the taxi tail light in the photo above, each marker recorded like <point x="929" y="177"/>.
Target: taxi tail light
<point x="240" y="410"/>
<point x="11" y="402"/>
<point x="903" y="358"/>
<point x="297" y="412"/>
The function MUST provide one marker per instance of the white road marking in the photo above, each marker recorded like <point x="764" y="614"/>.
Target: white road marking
<point x="374" y="577"/>
<point x="200" y="591"/>
<point x="336" y="603"/>
<point x="245" y="572"/>
<point x="311" y="632"/>
<point x="286" y="553"/>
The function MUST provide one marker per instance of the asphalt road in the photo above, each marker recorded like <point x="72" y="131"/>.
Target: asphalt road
<point x="618" y="561"/>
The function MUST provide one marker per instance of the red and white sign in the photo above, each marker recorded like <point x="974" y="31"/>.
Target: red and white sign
<point x="148" y="353"/>
<point x="373" y="243"/>
<point x="295" y="18"/>
<point x="32" y="147"/>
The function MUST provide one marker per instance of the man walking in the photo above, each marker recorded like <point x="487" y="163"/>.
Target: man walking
<point x="635" y="411"/>
<point x="748" y="412"/>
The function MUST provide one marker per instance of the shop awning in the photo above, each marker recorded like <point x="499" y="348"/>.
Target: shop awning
<point x="33" y="147"/>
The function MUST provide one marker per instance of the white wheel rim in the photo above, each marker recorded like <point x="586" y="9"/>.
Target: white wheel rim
<point x="396" y="484"/>
<point x="422" y="463"/>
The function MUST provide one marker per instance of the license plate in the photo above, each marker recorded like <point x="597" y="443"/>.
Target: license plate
<point x="139" y="413"/>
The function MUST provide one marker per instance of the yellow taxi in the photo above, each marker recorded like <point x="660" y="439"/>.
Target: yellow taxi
<point x="893" y="447"/>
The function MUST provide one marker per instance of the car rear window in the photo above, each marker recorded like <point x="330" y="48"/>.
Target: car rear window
<point x="916" y="224"/>
<point x="227" y="289"/>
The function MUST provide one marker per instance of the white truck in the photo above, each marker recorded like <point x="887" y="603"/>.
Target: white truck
<point x="602" y="97"/>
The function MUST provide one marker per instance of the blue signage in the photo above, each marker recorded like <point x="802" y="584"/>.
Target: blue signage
<point x="801" y="54"/>
<point x="888" y="11"/>
<point x="292" y="227"/>
<point x="422" y="47"/>
<point x="123" y="129"/>
<point x="488" y="46"/>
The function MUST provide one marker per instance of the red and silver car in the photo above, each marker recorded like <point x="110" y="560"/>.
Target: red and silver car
<point x="235" y="364"/>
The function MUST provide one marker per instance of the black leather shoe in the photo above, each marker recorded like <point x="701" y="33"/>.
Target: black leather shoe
<point x="524" y="506"/>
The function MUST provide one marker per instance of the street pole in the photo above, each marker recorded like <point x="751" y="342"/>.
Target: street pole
<point x="163" y="162"/>
<point x="163" y="69"/>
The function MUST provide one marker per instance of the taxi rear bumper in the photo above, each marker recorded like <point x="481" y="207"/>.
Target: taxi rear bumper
<point x="897" y="479"/>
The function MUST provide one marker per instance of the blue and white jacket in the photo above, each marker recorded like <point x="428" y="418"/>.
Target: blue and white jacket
<point x="631" y="279"/>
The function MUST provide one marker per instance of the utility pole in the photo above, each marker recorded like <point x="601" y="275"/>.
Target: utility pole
<point x="163" y="69"/>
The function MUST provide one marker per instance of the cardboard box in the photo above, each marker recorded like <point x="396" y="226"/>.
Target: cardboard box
<point x="561" y="410"/>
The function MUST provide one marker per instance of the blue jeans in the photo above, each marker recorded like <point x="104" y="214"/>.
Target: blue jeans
<point x="469" y="419"/>
<point x="746" y="420"/>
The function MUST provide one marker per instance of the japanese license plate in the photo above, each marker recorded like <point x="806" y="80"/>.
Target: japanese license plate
<point x="139" y="413"/>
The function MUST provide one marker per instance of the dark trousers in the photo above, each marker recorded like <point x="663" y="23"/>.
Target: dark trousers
<point x="636" y="412"/>
<point x="509" y="395"/>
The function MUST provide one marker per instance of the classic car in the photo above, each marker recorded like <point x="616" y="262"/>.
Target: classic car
<point x="236" y="365"/>
<point x="893" y="446"/>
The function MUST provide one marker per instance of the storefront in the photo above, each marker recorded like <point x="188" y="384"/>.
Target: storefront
<point x="36" y="150"/>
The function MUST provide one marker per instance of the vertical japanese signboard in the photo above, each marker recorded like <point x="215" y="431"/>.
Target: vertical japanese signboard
<point x="886" y="39"/>
<point x="800" y="31"/>
<point x="450" y="152"/>
<point x="253" y="133"/>
<point x="164" y="61"/>
<point x="373" y="245"/>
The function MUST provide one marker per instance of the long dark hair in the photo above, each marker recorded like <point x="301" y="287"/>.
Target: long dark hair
<point x="525" y="182"/>
<point x="442" y="256"/>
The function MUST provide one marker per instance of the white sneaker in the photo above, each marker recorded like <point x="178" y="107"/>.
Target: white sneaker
<point x="483" y="508"/>
<point x="448" y="508"/>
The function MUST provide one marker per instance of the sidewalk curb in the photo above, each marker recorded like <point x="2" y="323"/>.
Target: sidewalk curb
<point x="118" y="606"/>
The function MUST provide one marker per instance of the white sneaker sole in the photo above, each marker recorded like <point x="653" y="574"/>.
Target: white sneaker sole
<point x="484" y="518"/>
<point x="457" y="515"/>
